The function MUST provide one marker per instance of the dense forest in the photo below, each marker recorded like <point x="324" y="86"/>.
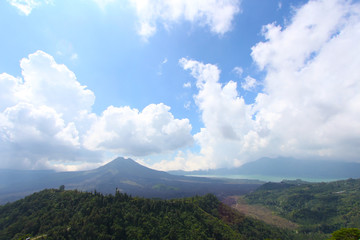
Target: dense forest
<point x="60" y="214"/>
<point x="319" y="208"/>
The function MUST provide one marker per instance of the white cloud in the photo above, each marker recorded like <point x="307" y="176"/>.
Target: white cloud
<point x="32" y="136"/>
<point x="127" y="131"/>
<point x="26" y="6"/>
<point x="161" y="66"/>
<point x="309" y="107"/>
<point x="39" y="115"/>
<point x="312" y="26"/>
<point x="45" y="120"/>
<point x="186" y="161"/>
<point x="74" y="56"/>
<point x="77" y="166"/>
<point x="46" y="83"/>
<point x="51" y="84"/>
<point x="187" y="85"/>
<point x="10" y="90"/>
<point x="250" y="83"/>
<point x="238" y="70"/>
<point x="187" y="105"/>
<point x="312" y="83"/>
<point x="225" y="115"/>
<point x="217" y="14"/>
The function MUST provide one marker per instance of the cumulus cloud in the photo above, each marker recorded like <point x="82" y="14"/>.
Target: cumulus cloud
<point x="309" y="107"/>
<point x="128" y="131"/>
<point x="312" y="83"/>
<point x="32" y="135"/>
<point x="51" y="84"/>
<point x="249" y="84"/>
<point x="313" y="25"/>
<point x="217" y="15"/>
<point x="224" y="114"/>
<point x="39" y="114"/>
<point x="26" y="6"/>
<point x="46" y="121"/>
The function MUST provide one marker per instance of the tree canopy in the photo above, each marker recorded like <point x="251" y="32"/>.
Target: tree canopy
<point x="62" y="214"/>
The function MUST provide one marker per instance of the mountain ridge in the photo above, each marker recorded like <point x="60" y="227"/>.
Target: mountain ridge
<point x="287" y="167"/>
<point x="124" y="175"/>
<point x="126" y="165"/>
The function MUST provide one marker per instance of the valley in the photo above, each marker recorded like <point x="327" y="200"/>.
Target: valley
<point x="73" y="202"/>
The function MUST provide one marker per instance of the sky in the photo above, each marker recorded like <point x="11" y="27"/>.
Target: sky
<point x="191" y="84"/>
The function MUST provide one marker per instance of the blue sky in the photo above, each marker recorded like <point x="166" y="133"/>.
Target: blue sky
<point x="178" y="84"/>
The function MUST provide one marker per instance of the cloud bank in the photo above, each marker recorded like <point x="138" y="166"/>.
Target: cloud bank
<point x="310" y="103"/>
<point x="46" y="120"/>
<point x="130" y="132"/>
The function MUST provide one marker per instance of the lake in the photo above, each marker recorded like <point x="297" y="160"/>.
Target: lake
<point x="268" y="178"/>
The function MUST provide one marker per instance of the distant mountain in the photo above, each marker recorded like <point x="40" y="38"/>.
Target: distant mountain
<point x="123" y="175"/>
<point x="128" y="168"/>
<point x="288" y="168"/>
<point x="302" y="168"/>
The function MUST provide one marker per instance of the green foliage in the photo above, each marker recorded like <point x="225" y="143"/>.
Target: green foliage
<point x="163" y="187"/>
<point x="346" y="234"/>
<point x="60" y="214"/>
<point x="320" y="208"/>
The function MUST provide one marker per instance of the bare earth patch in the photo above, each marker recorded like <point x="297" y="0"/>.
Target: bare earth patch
<point x="259" y="212"/>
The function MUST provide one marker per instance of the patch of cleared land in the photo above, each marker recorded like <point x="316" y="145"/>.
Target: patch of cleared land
<point x="259" y="212"/>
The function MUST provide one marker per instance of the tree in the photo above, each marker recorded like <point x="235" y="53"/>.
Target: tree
<point x="346" y="234"/>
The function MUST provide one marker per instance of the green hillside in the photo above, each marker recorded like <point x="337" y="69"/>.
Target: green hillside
<point x="59" y="214"/>
<point x="317" y="207"/>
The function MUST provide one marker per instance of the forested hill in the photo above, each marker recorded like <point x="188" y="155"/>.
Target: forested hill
<point x="316" y="207"/>
<point x="59" y="214"/>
